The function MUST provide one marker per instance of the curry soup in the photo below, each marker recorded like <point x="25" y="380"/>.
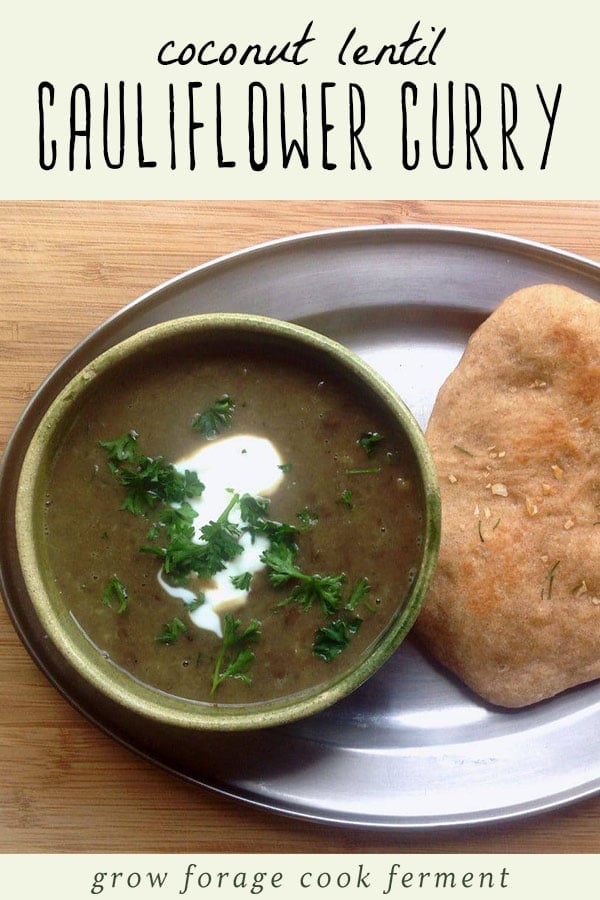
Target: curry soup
<point x="309" y="574"/>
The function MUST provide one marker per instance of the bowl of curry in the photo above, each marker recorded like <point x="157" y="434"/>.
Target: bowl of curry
<point x="227" y="522"/>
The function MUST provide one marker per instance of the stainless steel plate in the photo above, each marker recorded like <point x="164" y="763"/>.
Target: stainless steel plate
<point x="412" y="748"/>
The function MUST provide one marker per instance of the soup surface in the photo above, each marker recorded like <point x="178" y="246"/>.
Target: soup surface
<point x="268" y="568"/>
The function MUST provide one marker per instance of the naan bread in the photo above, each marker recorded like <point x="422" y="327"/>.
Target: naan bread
<point x="514" y="608"/>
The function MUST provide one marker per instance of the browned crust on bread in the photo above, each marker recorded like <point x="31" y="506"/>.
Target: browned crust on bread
<point x="514" y="608"/>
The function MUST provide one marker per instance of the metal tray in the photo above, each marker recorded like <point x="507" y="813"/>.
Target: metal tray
<point x="412" y="748"/>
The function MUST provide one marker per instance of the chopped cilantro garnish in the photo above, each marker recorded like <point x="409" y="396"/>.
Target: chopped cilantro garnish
<point x="196" y="603"/>
<point x="323" y="589"/>
<point x="222" y="535"/>
<point x="242" y="582"/>
<point x="361" y="589"/>
<point x="369" y="441"/>
<point x="308" y="517"/>
<point x="331" y="639"/>
<point x="183" y="556"/>
<point x="216" y="418"/>
<point x="171" y="631"/>
<point x="235" y="656"/>
<point x="149" y="480"/>
<point x="253" y="510"/>
<point x="176" y="520"/>
<point x="285" y="467"/>
<point x="346" y="499"/>
<point x="276" y="532"/>
<point x="279" y="558"/>
<point x="122" y="449"/>
<point x="115" y="592"/>
<point x="220" y="543"/>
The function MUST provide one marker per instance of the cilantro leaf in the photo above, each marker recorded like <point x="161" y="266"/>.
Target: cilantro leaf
<point x="171" y="631"/>
<point x="361" y="589"/>
<point x="154" y="480"/>
<point x="369" y="440"/>
<point x="219" y="545"/>
<point x="308" y="517"/>
<point x="183" y="556"/>
<point x="176" y="520"/>
<point x="122" y="449"/>
<point x="216" y="418"/>
<point x="310" y="589"/>
<point x="149" y="480"/>
<point x="235" y="656"/>
<point x="242" y="582"/>
<point x="346" y="499"/>
<point x="323" y="589"/>
<point x="253" y="510"/>
<point x="115" y="591"/>
<point x="279" y="559"/>
<point x="223" y="538"/>
<point x="331" y="639"/>
<point x="196" y="603"/>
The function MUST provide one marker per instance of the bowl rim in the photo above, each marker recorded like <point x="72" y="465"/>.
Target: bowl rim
<point x="123" y="688"/>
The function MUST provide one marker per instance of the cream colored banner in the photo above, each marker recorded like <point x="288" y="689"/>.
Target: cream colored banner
<point x="421" y="99"/>
<point x="330" y="877"/>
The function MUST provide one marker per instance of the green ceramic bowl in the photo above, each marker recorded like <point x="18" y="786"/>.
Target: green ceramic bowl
<point x="212" y="330"/>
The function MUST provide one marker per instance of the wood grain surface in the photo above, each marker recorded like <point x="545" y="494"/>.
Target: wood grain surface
<point x="64" y="785"/>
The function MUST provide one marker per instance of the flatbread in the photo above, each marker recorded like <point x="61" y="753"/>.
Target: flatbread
<point x="514" y="608"/>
